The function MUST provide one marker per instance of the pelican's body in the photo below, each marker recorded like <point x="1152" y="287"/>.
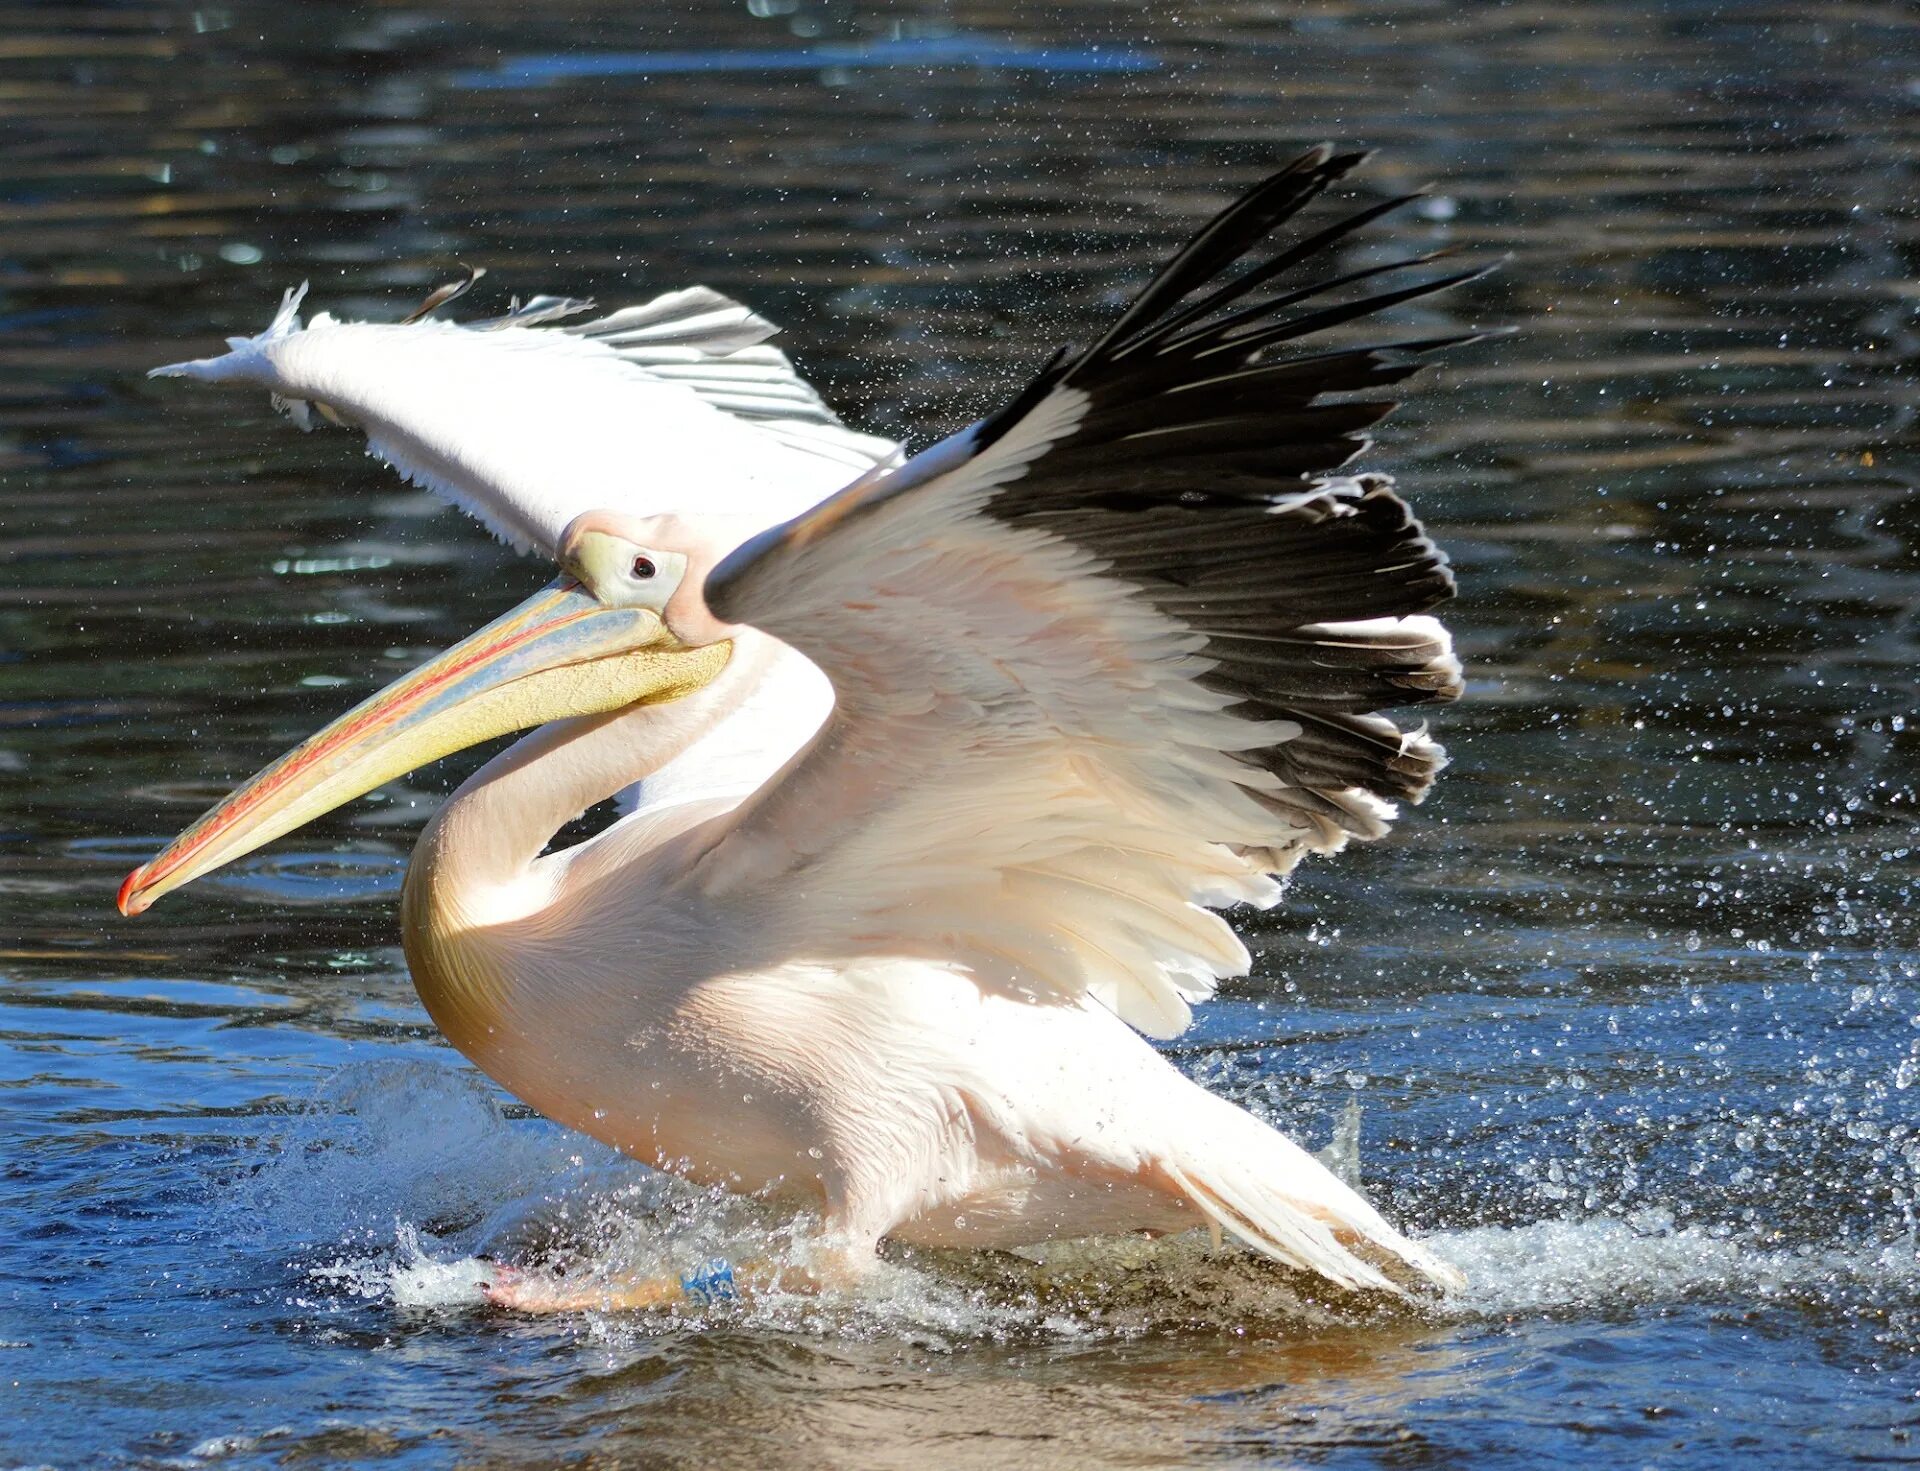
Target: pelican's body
<point x="943" y="776"/>
<point x="706" y="1032"/>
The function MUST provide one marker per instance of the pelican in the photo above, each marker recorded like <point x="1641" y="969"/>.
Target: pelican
<point x="1105" y="662"/>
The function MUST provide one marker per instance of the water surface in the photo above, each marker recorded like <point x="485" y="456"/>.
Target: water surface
<point x="1630" y="1009"/>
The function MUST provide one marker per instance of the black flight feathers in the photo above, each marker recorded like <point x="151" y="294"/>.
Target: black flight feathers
<point x="1185" y="475"/>
<point x="1180" y="368"/>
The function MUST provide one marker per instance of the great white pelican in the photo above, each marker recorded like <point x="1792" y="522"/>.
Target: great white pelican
<point x="1105" y="661"/>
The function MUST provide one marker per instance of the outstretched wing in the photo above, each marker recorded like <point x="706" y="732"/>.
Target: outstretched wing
<point x="1108" y="656"/>
<point x="526" y="420"/>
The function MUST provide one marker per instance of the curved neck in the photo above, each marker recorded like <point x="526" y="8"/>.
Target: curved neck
<point x="480" y="857"/>
<point x="478" y="869"/>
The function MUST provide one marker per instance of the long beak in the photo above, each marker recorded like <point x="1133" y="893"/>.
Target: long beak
<point x="561" y="653"/>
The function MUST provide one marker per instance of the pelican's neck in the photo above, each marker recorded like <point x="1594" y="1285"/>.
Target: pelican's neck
<point x="478" y="872"/>
<point x="479" y="859"/>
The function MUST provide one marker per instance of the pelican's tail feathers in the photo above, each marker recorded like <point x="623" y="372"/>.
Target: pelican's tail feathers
<point x="1250" y="1181"/>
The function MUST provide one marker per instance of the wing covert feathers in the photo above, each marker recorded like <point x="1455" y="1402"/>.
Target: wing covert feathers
<point x="1120" y="650"/>
<point x="719" y="350"/>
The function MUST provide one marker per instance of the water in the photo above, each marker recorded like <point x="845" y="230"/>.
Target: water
<point x="1629" y="1009"/>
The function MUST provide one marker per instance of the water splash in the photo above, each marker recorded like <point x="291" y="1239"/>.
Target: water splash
<point x="411" y="1141"/>
<point x="424" y="1183"/>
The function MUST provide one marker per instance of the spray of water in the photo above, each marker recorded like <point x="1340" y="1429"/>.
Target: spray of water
<point x="419" y="1184"/>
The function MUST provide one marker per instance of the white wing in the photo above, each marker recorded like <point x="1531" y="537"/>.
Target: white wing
<point x="1105" y="657"/>
<point x="675" y="405"/>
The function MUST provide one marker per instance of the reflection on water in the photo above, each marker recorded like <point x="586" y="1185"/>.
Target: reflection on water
<point x="899" y="51"/>
<point x="1631" y="1007"/>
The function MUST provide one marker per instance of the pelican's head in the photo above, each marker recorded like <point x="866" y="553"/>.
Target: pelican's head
<point x="624" y="624"/>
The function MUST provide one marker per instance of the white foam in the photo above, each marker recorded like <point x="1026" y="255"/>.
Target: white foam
<point x="220" y="1447"/>
<point x="1645" y="1258"/>
<point x="426" y="1283"/>
<point x="408" y="1276"/>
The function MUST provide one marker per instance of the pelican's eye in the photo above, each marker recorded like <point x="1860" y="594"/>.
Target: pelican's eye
<point x="623" y="573"/>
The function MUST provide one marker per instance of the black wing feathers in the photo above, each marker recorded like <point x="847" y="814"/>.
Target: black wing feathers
<point x="1227" y="237"/>
<point x="1184" y="476"/>
<point x="1286" y="260"/>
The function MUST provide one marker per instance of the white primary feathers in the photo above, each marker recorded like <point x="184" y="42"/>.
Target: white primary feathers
<point x="525" y="424"/>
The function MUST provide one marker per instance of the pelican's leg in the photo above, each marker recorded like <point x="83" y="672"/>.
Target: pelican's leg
<point x="537" y="1292"/>
<point x="703" y="1284"/>
<point x="859" y="1212"/>
<point x="699" y="1285"/>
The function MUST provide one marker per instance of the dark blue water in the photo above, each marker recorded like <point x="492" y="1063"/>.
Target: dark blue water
<point x="1629" y="1011"/>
